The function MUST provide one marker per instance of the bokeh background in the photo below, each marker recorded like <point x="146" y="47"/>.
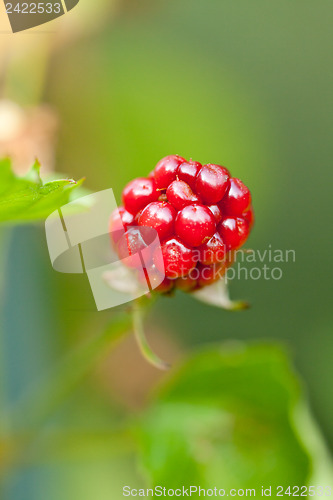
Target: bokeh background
<point x="244" y="84"/>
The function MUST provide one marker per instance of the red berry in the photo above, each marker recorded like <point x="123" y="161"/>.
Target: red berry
<point x="209" y="274"/>
<point x="138" y="193"/>
<point x="212" y="183"/>
<point x="195" y="224"/>
<point x="234" y="232"/>
<point x="160" y="216"/>
<point x="249" y="217"/>
<point x="216" y="211"/>
<point x="155" y="279"/>
<point x="120" y="220"/>
<point x="188" y="172"/>
<point x="200" y="214"/>
<point x="186" y="283"/>
<point x="166" y="286"/>
<point x="137" y="217"/>
<point x="177" y="259"/>
<point x="230" y="258"/>
<point x="165" y="170"/>
<point x="129" y="247"/>
<point x="238" y="198"/>
<point x="180" y="194"/>
<point x="213" y="251"/>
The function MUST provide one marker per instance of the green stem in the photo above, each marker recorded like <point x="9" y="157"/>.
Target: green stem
<point x="139" y="333"/>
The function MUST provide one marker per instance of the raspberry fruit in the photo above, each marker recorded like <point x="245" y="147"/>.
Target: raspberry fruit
<point x="195" y="224"/>
<point x="200" y="213"/>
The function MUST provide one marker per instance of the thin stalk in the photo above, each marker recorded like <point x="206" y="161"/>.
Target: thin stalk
<point x="148" y="354"/>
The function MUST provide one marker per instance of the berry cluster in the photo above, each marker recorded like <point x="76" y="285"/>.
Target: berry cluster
<point x="200" y="213"/>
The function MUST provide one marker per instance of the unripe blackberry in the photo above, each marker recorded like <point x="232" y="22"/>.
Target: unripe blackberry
<point x="200" y="213"/>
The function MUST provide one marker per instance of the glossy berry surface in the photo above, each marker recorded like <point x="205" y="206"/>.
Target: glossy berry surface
<point x="195" y="224"/>
<point x="160" y="216"/>
<point x="129" y="247"/>
<point x="238" y="198"/>
<point x="119" y="222"/>
<point x="166" y="170"/>
<point x="234" y="232"/>
<point x="179" y="194"/>
<point x="209" y="274"/>
<point x="249" y="216"/>
<point x="178" y="259"/>
<point x="217" y="212"/>
<point x="138" y="193"/>
<point x="200" y="213"/>
<point x="212" y="183"/>
<point x="188" y="171"/>
<point x="213" y="251"/>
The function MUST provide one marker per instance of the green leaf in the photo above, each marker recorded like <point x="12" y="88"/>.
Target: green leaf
<point x="24" y="199"/>
<point x="227" y="419"/>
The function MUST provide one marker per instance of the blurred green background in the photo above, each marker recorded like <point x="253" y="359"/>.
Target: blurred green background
<point x="244" y="84"/>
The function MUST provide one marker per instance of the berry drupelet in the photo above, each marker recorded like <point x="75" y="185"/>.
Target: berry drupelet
<point x="200" y="213"/>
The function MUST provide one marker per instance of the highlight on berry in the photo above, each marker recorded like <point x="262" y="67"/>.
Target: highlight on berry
<point x="200" y="213"/>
